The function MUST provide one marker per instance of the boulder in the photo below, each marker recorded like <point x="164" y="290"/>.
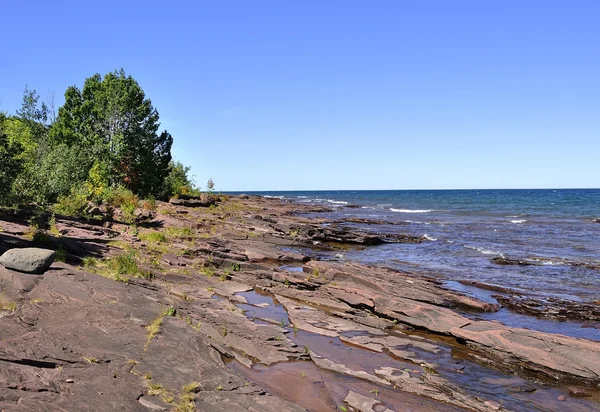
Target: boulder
<point x="28" y="260"/>
<point x="203" y="201"/>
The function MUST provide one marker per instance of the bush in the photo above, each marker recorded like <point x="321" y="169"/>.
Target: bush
<point x="178" y="181"/>
<point x="123" y="199"/>
<point x="74" y="204"/>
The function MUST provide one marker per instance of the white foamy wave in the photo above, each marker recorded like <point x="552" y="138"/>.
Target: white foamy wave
<point x="302" y="197"/>
<point x="410" y="210"/>
<point x="274" y="197"/>
<point x="426" y="236"/>
<point x="484" y="250"/>
<point x="518" y="221"/>
<point x="337" y="202"/>
<point x="550" y="263"/>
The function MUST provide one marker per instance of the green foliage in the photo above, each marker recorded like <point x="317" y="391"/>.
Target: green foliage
<point x="106" y="137"/>
<point x="153" y="236"/>
<point x="178" y="181"/>
<point x="118" y="268"/>
<point x="113" y="116"/>
<point x="73" y="204"/>
<point x="124" y="264"/>
<point x="10" y="164"/>
<point x="97" y="183"/>
<point x="171" y="311"/>
<point x="30" y="111"/>
<point x="61" y="254"/>
<point x="210" y="185"/>
<point x="52" y="173"/>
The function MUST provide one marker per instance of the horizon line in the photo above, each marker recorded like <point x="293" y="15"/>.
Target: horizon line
<point x="401" y="190"/>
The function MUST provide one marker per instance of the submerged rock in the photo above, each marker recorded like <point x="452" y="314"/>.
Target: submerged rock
<point x="509" y="261"/>
<point x="28" y="260"/>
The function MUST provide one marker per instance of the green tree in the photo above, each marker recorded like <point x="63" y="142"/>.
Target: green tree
<point x="112" y="117"/>
<point x="11" y="162"/>
<point x="31" y="109"/>
<point x="178" y="181"/>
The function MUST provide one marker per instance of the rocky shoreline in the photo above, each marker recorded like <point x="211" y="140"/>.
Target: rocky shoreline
<point x="227" y="307"/>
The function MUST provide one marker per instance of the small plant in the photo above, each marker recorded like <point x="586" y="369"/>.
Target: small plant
<point x="90" y="359"/>
<point x="179" y="231"/>
<point x="149" y="204"/>
<point x="154" y="328"/>
<point x="9" y="306"/>
<point x="89" y="262"/>
<point x="343" y="408"/>
<point x="282" y="323"/>
<point x="210" y="186"/>
<point x="187" y="398"/>
<point x="125" y="264"/>
<point x="61" y="254"/>
<point x="153" y="236"/>
<point x="171" y="311"/>
<point x="158" y="390"/>
<point x="208" y="271"/>
<point x="306" y="349"/>
<point x="375" y="391"/>
<point x="53" y="228"/>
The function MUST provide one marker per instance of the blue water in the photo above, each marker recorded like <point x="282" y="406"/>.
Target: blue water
<point x="469" y="227"/>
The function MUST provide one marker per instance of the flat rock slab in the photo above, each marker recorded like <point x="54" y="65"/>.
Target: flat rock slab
<point x="362" y="403"/>
<point x="28" y="260"/>
<point x="554" y="353"/>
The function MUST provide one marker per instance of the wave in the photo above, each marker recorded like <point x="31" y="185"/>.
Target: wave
<point x="302" y="197"/>
<point x="337" y="202"/>
<point x="426" y="236"/>
<point x="485" y="251"/>
<point x="518" y="221"/>
<point x="410" y="210"/>
<point x="274" y="197"/>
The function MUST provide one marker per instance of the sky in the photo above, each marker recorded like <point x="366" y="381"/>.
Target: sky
<point x="317" y="95"/>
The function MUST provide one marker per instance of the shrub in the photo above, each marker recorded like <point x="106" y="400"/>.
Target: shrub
<point x="123" y="198"/>
<point x="153" y="236"/>
<point x="73" y="204"/>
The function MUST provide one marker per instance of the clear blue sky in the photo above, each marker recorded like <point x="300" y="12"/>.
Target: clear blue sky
<point x="265" y="95"/>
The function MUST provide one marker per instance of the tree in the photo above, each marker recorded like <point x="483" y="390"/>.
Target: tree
<point x="29" y="108"/>
<point x="210" y="185"/>
<point x="112" y="117"/>
<point x="178" y="181"/>
<point x="10" y="162"/>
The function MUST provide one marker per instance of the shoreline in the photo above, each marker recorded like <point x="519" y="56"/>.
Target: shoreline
<point x="402" y="336"/>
